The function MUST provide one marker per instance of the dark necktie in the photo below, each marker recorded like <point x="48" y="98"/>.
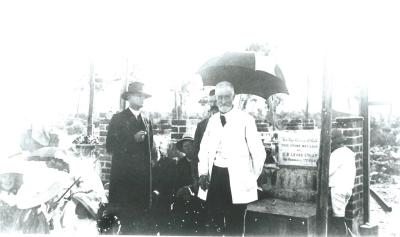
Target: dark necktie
<point x="223" y="120"/>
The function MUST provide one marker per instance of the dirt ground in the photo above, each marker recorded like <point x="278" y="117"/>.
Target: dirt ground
<point x="388" y="222"/>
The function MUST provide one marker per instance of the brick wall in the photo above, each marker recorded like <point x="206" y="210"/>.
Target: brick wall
<point x="178" y="128"/>
<point x="105" y="158"/>
<point x="295" y="124"/>
<point x="352" y="130"/>
<point x="308" y="124"/>
<point x="262" y="125"/>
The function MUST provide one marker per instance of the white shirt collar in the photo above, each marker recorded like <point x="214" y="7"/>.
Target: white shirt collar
<point x="135" y="112"/>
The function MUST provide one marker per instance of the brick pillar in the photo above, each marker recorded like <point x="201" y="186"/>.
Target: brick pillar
<point x="105" y="158"/>
<point x="352" y="130"/>
<point x="178" y="129"/>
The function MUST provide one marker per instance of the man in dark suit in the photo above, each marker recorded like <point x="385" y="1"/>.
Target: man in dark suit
<point x="201" y="126"/>
<point x="129" y="140"/>
<point x="198" y="136"/>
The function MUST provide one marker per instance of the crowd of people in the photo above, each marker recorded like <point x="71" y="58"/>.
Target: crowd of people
<point x="204" y="192"/>
<point x="207" y="189"/>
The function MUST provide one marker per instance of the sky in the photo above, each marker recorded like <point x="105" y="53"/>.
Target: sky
<point x="46" y="48"/>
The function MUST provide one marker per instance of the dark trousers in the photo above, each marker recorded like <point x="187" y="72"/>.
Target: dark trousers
<point x="224" y="217"/>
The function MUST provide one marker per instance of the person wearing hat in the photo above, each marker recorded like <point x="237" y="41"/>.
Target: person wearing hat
<point x="130" y="141"/>
<point x="184" y="167"/>
<point x="342" y="172"/>
<point x="187" y="206"/>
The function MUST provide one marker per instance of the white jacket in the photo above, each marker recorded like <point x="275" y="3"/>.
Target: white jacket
<point x="246" y="153"/>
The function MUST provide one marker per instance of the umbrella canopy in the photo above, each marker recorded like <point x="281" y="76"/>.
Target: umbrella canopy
<point x="248" y="72"/>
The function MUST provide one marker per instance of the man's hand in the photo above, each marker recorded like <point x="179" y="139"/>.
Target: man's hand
<point x="139" y="136"/>
<point x="203" y="182"/>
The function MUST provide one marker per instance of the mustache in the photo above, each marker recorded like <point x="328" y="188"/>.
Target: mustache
<point x="225" y="105"/>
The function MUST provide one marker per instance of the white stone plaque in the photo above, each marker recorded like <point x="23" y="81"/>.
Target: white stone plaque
<point x="299" y="147"/>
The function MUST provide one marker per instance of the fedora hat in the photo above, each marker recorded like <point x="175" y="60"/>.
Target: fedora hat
<point x="135" y="88"/>
<point x="185" y="137"/>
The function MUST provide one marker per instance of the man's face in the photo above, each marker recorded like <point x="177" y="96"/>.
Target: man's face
<point x="225" y="98"/>
<point x="136" y="101"/>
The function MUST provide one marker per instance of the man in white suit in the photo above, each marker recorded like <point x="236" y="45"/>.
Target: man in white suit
<point x="231" y="158"/>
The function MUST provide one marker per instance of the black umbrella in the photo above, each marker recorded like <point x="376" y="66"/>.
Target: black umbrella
<point x="248" y="72"/>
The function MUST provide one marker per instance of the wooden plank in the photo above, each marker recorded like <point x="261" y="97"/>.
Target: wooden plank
<point x="380" y="201"/>
<point x="283" y="208"/>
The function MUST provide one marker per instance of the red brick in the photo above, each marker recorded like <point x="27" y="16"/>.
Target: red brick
<point x="107" y="177"/>
<point x="103" y="127"/>
<point x="182" y="129"/>
<point x="351" y="132"/>
<point x="359" y="180"/>
<point x="175" y="129"/>
<point x="165" y="121"/>
<point x="179" y="122"/>
<point x="359" y="171"/>
<point x="351" y="122"/>
<point x="353" y="140"/>
<point x="359" y="188"/>
<point x="358" y="164"/>
<point x="359" y="156"/>
<point x="355" y="148"/>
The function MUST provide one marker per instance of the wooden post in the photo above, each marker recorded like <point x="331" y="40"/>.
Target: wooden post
<point x="324" y="153"/>
<point x="366" y="141"/>
<point x="91" y="99"/>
